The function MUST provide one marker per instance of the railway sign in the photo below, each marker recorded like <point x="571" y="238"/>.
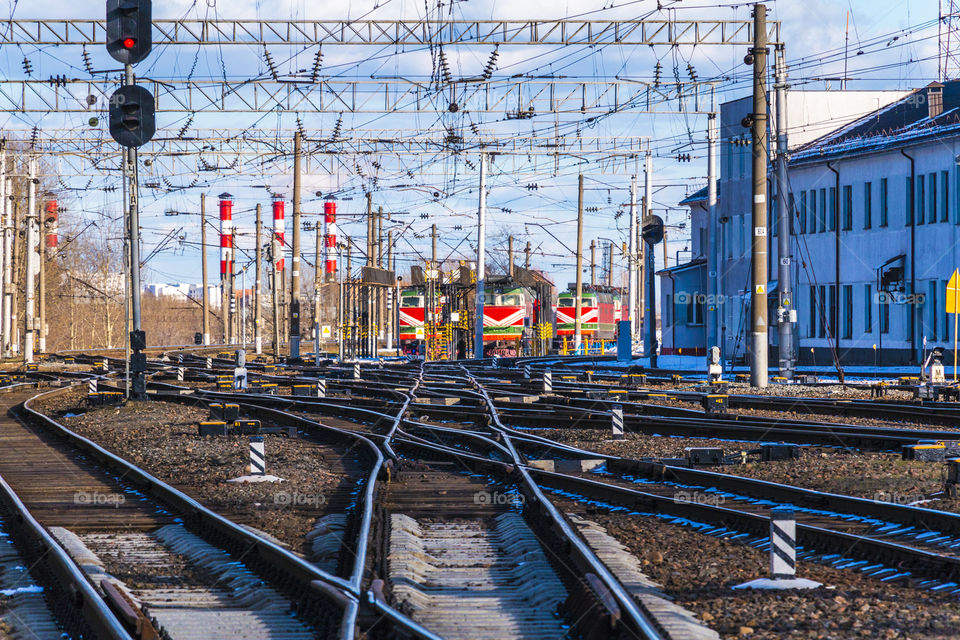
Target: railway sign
<point x="953" y="306"/>
<point x="653" y="229"/>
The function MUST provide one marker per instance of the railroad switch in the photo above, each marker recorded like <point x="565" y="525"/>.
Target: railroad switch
<point x="953" y="477"/>
<point x="933" y="452"/>
<point x="676" y="378"/>
<point x="704" y="455"/>
<point x="225" y="412"/>
<point x="247" y="427"/>
<point x="212" y="428"/>
<point x="33" y="366"/>
<point x="105" y="398"/>
<point x="779" y="380"/>
<point x="926" y="392"/>
<point x="775" y="451"/>
<point x="634" y="379"/>
<point x="715" y="403"/>
<point x="742" y="377"/>
<point x="308" y="390"/>
<point x="878" y="390"/>
<point x="806" y="378"/>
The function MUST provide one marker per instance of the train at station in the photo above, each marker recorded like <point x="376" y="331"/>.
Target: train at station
<point x="512" y="314"/>
<point x="600" y="309"/>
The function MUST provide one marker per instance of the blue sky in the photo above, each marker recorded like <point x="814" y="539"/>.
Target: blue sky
<point x="898" y="40"/>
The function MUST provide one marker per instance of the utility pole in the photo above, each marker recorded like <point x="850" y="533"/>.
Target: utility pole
<point x="7" y="209"/>
<point x="593" y="263"/>
<point x="42" y="287"/>
<point x="203" y="260"/>
<point x="276" y="273"/>
<point x="758" y="326"/>
<point x="649" y="267"/>
<point x="613" y="248"/>
<point x="393" y="294"/>
<point x="578" y="321"/>
<point x="510" y="257"/>
<point x="226" y="262"/>
<point x="713" y="231"/>
<point x="786" y="311"/>
<point x="481" y="260"/>
<point x="295" y="257"/>
<point x="526" y="259"/>
<point x="368" y="291"/>
<point x="29" y="295"/>
<point x="317" y="291"/>
<point x="431" y="312"/>
<point x="633" y="269"/>
<point x="257" y="286"/>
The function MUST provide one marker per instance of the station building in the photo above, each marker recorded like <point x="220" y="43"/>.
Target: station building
<point x="875" y="212"/>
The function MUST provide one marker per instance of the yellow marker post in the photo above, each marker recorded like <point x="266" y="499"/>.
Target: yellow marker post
<point x="953" y="306"/>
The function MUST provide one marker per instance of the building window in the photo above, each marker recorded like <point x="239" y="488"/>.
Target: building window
<point x="944" y="197"/>
<point x="868" y="308"/>
<point x="932" y="198"/>
<point x="833" y="310"/>
<point x="823" y="210"/>
<point x="921" y="192"/>
<point x="847" y="207"/>
<point x="812" y="328"/>
<point x="774" y="215"/>
<point x="822" y="299"/>
<point x="932" y="313"/>
<point x="833" y="208"/>
<point x="908" y="212"/>
<point x="867" y="205"/>
<point x="884" y="210"/>
<point x="812" y="224"/>
<point x="847" y="311"/>
<point x="884" y="300"/>
<point x="802" y="213"/>
<point x="793" y="208"/>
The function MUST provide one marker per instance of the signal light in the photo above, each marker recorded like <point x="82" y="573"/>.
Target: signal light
<point x="132" y="120"/>
<point x="129" y="43"/>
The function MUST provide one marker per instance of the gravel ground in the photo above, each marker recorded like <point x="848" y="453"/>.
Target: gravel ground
<point x="877" y="476"/>
<point x="162" y="438"/>
<point x="699" y="571"/>
<point x="796" y="390"/>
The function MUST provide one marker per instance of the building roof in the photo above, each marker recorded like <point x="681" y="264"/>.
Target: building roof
<point x="696" y="262"/>
<point x="698" y="196"/>
<point x="933" y="111"/>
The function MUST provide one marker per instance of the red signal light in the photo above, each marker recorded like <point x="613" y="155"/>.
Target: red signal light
<point x="129" y="43"/>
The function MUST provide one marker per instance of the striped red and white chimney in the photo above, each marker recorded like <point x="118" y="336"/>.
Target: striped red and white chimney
<point x="330" y="242"/>
<point x="226" y="235"/>
<point x="50" y="219"/>
<point x="278" y="227"/>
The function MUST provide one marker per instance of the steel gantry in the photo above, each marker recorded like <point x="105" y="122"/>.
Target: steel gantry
<point x="513" y="98"/>
<point x="397" y="32"/>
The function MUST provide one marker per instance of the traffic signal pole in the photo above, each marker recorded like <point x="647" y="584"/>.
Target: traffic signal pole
<point x="759" y="326"/>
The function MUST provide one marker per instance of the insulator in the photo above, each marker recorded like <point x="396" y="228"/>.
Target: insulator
<point x="491" y="65"/>
<point x="445" y="67"/>
<point x="270" y="65"/>
<point x="27" y="68"/>
<point x="657" y="74"/>
<point x="691" y="72"/>
<point x="86" y="61"/>
<point x="185" y="127"/>
<point x="317" y="62"/>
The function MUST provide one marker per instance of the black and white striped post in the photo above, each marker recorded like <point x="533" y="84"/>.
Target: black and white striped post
<point x="209" y="363"/>
<point x="526" y="372"/>
<point x="547" y="381"/>
<point x="92" y="386"/>
<point x="321" y="387"/>
<point x="783" y="543"/>
<point x="617" y="414"/>
<point x="179" y="358"/>
<point x="783" y="555"/>
<point x="258" y="459"/>
<point x="106" y="363"/>
<point x="356" y="370"/>
<point x="179" y="374"/>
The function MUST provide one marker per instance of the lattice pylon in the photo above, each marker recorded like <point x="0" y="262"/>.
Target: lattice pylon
<point x="949" y="40"/>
